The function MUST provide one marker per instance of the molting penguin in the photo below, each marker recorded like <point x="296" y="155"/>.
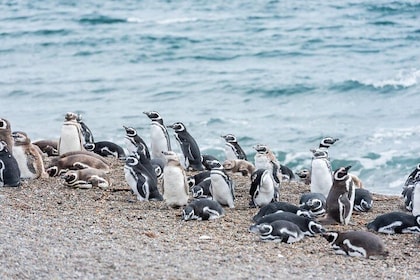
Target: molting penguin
<point x="71" y="138"/>
<point x="321" y="176"/>
<point x="86" y="178"/>
<point x="304" y="175"/>
<point x="356" y="243"/>
<point x="280" y="206"/>
<point x="232" y="149"/>
<point x="279" y="231"/>
<point x="263" y="188"/>
<point x="105" y="149"/>
<point x="363" y="200"/>
<point x="222" y="187"/>
<point x="133" y="141"/>
<point x="141" y="177"/>
<point x="6" y="134"/>
<point x="395" y="222"/>
<point x="308" y="226"/>
<point x="28" y="157"/>
<point x="340" y="199"/>
<point x="189" y="147"/>
<point x="174" y="183"/>
<point x="202" y="209"/>
<point x="239" y="165"/>
<point x="265" y="159"/>
<point x="160" y="141"/>
<point x="9" y="169"/>
<point x="315" y="203"/>
<point x="86" y="132"/>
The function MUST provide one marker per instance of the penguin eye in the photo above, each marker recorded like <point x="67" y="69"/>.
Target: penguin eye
<point x="132" y="161"/>
<point x="3" y="124"/>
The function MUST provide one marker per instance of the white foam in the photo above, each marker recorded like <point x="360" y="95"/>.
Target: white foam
<point x="404" y="78"/>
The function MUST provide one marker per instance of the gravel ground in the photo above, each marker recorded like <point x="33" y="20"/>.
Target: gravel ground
<point x="50" y="231"/>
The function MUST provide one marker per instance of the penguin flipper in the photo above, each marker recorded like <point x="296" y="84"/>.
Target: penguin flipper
<point x="345" y="208"/>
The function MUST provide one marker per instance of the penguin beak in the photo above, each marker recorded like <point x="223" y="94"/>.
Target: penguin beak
<point x="347" y="168"/>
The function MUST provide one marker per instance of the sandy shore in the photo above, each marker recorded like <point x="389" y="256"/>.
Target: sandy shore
<point x="49" y="231"/>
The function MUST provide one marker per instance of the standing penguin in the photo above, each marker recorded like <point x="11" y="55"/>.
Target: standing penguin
<point x="263" y="188"/>
<point x="189" y="147"/>
<point x="133" y="141"/>
<point x="340" y="199"/>
<point x="28" y="157"/>
<point x="232" y="148"/>
<point x="412" y="180"/>
<point x="160" y="141"/>
<point x="265" y="159"/>
<point x="141" y="177"/>
<point x="6" y="134"/>
<point x="356" y="243"/>
<point x="9" y="168"/>
<point x="321" y="175"/>
<point x="175" y="186"/>
<point x="86" y="132"/>
<point x="71" y="137"/>
<point x="222" y="188"/>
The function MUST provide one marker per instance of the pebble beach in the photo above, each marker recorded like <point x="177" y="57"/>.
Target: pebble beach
<point x="51" y="231"/>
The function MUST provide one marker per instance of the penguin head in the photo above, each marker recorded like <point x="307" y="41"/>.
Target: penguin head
<point x="314" y="227"/>
<point x="261" y="149"/>
<point x="327" y="142"/>
<point x="52" y="171"/>
<point x="170" y="155"/>
<point x="304" y="173"/>
<point x="178" y="127"/>
<point x="228" y="164"/>
<point x="130" y="131"/>
<point x="70" y="116"/>
<point x="153" y="115"/>
<point x="318" y="153"/>
<point x="131" y="160"/>
<point x="330" y="236"/>
<point x="70" y="177"/>
<point x="20" y="138"/>
<point x="341" y="173"/>
<point x="188" y="213"/>
<point x="230" y="138"/>
<point x="265" y="229"/>
<point x="214" y="164"/>
<point x="89" y="146"/>
<point x="418" y="220"/>
<point x="197" y="191"/>
<point x="191" y="181"/>
<point x="4" y="124"/>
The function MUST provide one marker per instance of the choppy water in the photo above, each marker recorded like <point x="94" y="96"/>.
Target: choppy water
<point x="283" y="73"/>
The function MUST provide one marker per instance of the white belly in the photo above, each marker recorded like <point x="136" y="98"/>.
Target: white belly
<point x="158" y="142"/>
<point x="321" y="177"/>
<point x="220" y="191"/>
<point x="70" y="139"/>
<point x="416" y="200"/>
<point x="262" y="162"/>
<point x="22" y="161"/>
<point x="174" y="192"/>
<point x="229" y="153"/>
<point x="266" y="191"/>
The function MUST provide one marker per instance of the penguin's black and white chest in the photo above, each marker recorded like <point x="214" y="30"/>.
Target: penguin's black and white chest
<point x="222" y="188"/>
<point x="263" y="188"/>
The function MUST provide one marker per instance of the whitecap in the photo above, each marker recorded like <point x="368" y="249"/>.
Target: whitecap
<point x="404" y="78"/>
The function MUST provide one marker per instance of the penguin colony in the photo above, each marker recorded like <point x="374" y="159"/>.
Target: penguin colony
<point x="161" y="174"/>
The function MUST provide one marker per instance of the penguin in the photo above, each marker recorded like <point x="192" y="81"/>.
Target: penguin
<point x="202" y="189"/>
<point x="263" y="188"/>
<point x="413" y="177"/>
<point x="308" y="226"/>
<point x="105" y="149"/>
<point x="160" y="141"/>
<point x="189" y="147"/>
<point x="133" y="141"/>
<point x="232" y="149"/>
<point x="174" y="183"/>
<point x="327" y="142"/>
<point x="279" y="231"/>
<point x="198" y="178"/>
<point x="305" y="176"/>
<point x="356" y="243"/>
<point x="206" y="159"/>
<point x="222" y="187"/>
<point x="340" y="199"/>
<point x="9" y="168"/>
<point x="141" y="177"/>
<point x="239" y="165"/>
<point x="321" y="175"/>
<point x="202" y="209"/>
<point x="416" y="200"/>
<point x="28" y="157"/>
<point x="159" y="165"/>
<point x="48" y="147"/>
<point x="265" y="159"/>
<point x="71" y="138"/>
<point x="363" y="200"/>
<point x="86" y="178"/>
<point x="315" y="203"/>
<point x="407" y="194"/>
<point x="280" y="206"/>
<point x="75" y="161"/>
<point x="6" y="134"/>
<point x="395" y="222"/>
<point x="86" y="132"/>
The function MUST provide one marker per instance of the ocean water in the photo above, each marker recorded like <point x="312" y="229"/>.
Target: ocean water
<point x="282" y="73"/>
